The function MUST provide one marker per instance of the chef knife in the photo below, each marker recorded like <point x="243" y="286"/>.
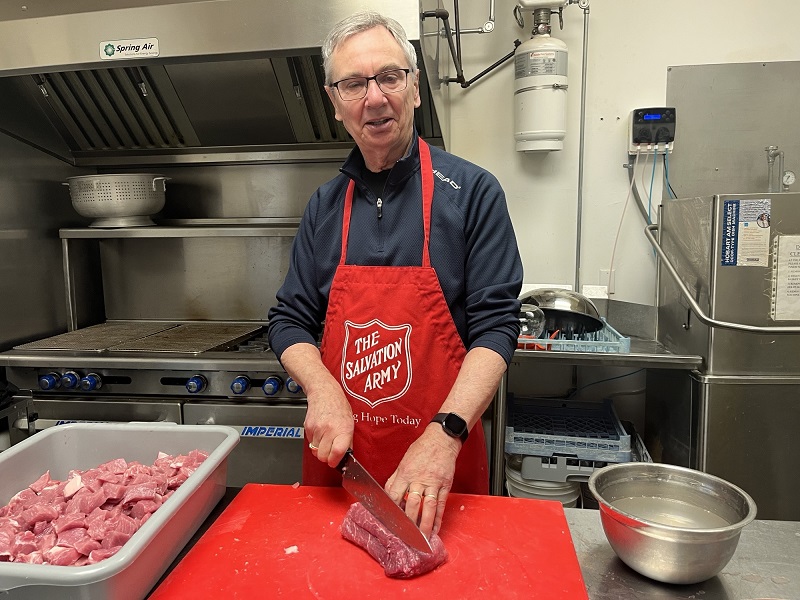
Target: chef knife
<point x="357" y="481"/>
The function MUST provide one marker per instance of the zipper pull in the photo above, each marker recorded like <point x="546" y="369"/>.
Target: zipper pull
<point x="379" y="204"/>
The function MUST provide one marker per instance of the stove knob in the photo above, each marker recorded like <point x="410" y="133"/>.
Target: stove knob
<point x="196" y="384"/>
<point x="50" y="381"/>
<point x="91" y="382"/>
<point x="70" y="380"/>
<point x="272" y="385"/>
<point x="293" y="386"/>
<point x="241" y="384"/>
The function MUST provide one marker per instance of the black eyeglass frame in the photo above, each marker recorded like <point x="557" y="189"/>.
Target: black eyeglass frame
<point x="374" y="78"/>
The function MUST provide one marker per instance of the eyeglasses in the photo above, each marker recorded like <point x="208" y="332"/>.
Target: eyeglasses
<point x="389" y="82"/>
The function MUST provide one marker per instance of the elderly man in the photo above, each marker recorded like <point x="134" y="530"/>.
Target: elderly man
<point x="409" y="259"/>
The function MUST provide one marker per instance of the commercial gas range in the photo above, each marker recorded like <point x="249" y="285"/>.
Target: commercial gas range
<point x="181" y="372"/>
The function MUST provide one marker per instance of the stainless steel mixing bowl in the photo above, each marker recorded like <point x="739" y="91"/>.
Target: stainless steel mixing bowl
<point x="670" y="523"/>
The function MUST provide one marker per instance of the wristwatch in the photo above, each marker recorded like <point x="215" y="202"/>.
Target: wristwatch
<point x="453" y="425"/>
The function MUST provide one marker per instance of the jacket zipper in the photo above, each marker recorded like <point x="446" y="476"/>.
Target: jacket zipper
<point x="379" y="205"/>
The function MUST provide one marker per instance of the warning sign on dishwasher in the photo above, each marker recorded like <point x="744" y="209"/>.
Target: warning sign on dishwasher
<point x="746" y="230"/>
<point x="786" y="279"/>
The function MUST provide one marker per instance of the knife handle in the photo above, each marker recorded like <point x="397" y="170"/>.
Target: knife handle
<point x="343" y="462"/>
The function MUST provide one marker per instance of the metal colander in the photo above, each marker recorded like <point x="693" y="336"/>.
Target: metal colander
<point x="119" y="200"/>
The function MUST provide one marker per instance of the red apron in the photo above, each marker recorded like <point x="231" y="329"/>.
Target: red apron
<point x="391" y="343"/>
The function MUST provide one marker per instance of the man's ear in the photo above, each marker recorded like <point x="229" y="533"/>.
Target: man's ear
<point x="332" y="97"/>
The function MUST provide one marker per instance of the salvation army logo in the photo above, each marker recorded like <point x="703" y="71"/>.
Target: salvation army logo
<point x="376" y="362"/>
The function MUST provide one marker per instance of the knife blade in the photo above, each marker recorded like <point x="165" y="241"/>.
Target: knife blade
<point x="359" y="483"/>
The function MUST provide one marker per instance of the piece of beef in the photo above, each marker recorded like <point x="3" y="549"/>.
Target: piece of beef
<point x="41" y="483"/>
<point x="397" y="559"/>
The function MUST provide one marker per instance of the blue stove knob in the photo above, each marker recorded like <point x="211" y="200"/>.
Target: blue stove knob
<point x="91" y="382"/>
<point x="70" y="380"/>
<point x="196" y="384"/>
<point x="50" y="381"/>
<point x="272" y="385"/>
<point x="293" y="386"/>
<point x="240" y="384"/>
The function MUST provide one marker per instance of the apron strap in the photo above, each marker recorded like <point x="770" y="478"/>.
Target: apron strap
<point x="426" y="167"/>
<point x="348" y="205"/>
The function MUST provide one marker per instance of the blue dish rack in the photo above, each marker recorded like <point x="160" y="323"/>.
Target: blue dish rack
<point x="582" y="430"/>
<point x="606" y="339"/>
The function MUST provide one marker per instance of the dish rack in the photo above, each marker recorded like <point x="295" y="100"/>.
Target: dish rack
<point x="565" y="468"/>
<point x="606" y="339"/>
<point x="577" y="430"/>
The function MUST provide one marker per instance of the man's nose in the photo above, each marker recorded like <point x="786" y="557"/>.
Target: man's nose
<point x="374" y="94"/>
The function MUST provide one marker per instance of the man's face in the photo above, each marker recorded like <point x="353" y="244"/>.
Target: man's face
<point x="381" y="124"/>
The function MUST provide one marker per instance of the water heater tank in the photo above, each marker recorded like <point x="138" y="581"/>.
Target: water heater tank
<point x="540" y="94"/>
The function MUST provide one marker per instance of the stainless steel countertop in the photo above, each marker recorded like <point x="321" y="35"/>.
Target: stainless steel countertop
<point x="766" y="565"/>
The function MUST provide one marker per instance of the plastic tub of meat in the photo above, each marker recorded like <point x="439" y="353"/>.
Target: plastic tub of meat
<point x="133" y="571"/>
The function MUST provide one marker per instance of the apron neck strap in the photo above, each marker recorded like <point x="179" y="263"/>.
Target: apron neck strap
<point x="426" y="172"/>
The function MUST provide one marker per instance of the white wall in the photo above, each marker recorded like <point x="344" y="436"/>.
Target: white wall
<point x="631" y="45"/>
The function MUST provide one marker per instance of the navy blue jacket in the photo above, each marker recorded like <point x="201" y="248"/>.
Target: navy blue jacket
<point x="473" y="248"/>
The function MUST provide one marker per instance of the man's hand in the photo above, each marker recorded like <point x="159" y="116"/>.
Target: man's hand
<point x="329" y="418"/>
<point x="424" y="478"/>
<point x="329" y="422"/>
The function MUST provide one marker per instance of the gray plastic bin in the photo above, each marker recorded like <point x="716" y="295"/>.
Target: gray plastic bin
<point x="134" y="570"/>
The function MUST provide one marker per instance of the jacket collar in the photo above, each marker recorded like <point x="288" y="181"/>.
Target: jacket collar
<point x="402" y="170"/>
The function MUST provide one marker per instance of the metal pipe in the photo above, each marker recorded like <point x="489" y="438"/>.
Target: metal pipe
<point x="772" y="152"/>
<point x="636" y="196"/>
<point x="581" y="148"/>
<point x="488" y="26"/>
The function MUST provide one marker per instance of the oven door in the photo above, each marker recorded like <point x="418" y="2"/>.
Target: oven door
<point x="47" y="412"/>
<point x="270" y="449"/>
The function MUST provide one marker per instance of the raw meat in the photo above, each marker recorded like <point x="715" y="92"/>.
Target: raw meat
<point x="397" y="559"/>
<point x="89" y="516"/>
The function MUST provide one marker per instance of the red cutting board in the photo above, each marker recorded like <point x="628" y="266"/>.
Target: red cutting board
<point x="499" y="548"/>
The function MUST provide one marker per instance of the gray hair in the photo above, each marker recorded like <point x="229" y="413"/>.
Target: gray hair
<point x="362" y="21"/>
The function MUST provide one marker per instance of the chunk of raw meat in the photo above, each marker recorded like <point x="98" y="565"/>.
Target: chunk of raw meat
<point x="41" y="483"/>
<point x="73" y="485"/>
<point x="397" y="559"/>
<point x="39" y="512"/>
<point x="61" y="556"/>
<point x="25" y="543"/>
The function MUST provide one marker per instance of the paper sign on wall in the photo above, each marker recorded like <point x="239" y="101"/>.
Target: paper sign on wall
<point x="786" y="278"/>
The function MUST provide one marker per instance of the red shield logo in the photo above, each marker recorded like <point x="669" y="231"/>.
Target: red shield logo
<point x="376" y="362"/>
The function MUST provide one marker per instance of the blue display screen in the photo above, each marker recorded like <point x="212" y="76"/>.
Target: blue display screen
<point x="652" y="116"/>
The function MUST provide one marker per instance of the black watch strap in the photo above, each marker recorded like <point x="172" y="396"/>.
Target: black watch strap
<point x="453" y="425"/>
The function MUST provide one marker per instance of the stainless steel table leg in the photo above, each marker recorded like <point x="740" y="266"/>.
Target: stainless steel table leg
<point x="497" y="469"/>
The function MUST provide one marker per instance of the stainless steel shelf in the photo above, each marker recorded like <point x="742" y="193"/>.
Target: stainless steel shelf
<point x="288" y="230"/>
<point x="644" y="353"/>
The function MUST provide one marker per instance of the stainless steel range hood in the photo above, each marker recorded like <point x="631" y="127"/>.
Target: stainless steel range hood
<point x="228" y="80"/>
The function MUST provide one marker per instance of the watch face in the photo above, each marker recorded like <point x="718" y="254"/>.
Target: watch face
<point x="455" y="424"/>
